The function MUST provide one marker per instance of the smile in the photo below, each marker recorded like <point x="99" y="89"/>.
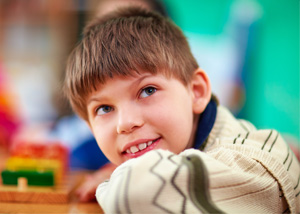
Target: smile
<point x="139" y="147"/>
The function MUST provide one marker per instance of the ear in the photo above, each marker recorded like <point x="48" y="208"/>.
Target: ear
<point x="201" y="90"/>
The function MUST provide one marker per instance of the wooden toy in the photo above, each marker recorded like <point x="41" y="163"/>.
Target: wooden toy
<point x="34" y="178"/>
<point x="59" y="193"/>
<point x="36" y="173"/>
<point x="36" y="164"/>
<point x="22" y="184"/>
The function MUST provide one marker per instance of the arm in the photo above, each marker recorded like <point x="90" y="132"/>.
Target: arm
<point x="242" y="177"/>
<point x="157" y="182"/>
<point x="86" y="191"/>
<point x="268" y="171"/>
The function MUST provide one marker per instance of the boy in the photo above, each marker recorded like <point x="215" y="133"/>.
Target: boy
<point x="149" y="105"/>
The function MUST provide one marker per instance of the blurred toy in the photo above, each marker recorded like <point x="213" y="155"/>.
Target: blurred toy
<point x="36" y="161"/>
<point x="36" y="169"/>
<point x="10" y="119"/>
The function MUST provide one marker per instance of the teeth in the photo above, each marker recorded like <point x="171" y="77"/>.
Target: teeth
<point x="142" y="146"/>
<point x="134" y="149"/>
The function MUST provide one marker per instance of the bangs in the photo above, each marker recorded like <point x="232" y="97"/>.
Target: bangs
<point x="102" y="56"/>
<point x="126" y="46"/>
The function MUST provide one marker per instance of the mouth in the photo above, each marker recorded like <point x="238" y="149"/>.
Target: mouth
<point x="141" y="148"/>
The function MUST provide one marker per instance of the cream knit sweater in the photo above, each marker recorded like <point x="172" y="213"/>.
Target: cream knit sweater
<point x="240" y="170"/>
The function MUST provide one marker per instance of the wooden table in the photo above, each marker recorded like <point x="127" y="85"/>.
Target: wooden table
<point x="73" y="206"/>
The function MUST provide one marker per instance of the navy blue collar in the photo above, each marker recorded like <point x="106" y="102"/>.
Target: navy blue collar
<point x="205" y="124"/>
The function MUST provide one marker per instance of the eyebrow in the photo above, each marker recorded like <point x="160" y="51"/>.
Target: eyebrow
<point x="93" y="100"/>
<point x="137" y="81"/>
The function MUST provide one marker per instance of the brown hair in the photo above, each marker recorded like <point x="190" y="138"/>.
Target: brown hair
<point x="125" y="42"/>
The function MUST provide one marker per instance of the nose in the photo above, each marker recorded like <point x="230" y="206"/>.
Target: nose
<point x="129" y="119"/>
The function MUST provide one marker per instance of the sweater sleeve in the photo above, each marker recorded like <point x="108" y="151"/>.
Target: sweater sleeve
<point x="236" y="175"/>
<point x="259" y="172"/>
<point x="158" y="182"/>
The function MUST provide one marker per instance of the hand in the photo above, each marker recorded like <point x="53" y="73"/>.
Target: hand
<point x="86" y="191"/>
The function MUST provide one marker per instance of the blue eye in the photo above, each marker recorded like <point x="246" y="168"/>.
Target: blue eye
<point x="148" y="92"/>
<point x="103" y="110"/>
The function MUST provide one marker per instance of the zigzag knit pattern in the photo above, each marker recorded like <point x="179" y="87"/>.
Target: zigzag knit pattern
<point x="143" y="186"/>
<point x="240" y="170"/>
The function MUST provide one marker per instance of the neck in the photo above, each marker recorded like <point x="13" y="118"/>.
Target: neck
<point x="204" y="124"/>
<point x="193" y="132"/>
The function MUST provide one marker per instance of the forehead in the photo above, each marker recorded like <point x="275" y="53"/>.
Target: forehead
<point x="111" y="77"/>
<point x="115" y="83"/>
<point x="132" y="79"/>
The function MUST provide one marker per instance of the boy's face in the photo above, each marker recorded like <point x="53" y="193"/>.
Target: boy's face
<point x="130" y="116"/>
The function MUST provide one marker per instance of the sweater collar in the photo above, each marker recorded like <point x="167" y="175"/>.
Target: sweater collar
<point x="205" y="124"/>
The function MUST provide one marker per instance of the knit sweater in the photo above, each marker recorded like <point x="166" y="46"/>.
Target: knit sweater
<point x="240" y="170"/>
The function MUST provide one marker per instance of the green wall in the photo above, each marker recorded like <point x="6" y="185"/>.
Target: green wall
<point x="271" y="71"/>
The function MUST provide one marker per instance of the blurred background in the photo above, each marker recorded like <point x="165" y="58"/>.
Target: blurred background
<point x="249" y="48"/>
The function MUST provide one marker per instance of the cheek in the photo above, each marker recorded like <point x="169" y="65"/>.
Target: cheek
<point x="181" y="132"/>
<point x="107" y="146"/>
<point x="103" y="137"/>
<point x="174" y="121"/>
